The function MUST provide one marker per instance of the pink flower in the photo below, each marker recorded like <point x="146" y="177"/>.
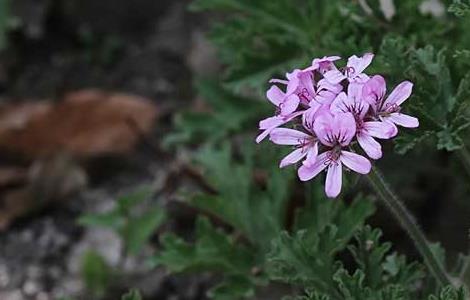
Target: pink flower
<point x="353" y="71"/>
<point x="366" y="130"/>
<point x="333" y="119"/>
<point x="324" y="64"/>
<point x="271" y="123"/>
<point x="299" y="83"/>
<point x="389" y="109"/>
<point x="334" y="132"/>
<point x="306" y="145"/>
<point x="326" y="91"/>
<point x="285" y="102"/>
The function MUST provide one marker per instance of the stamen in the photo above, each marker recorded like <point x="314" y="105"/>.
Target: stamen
<point x="350" y="71"/>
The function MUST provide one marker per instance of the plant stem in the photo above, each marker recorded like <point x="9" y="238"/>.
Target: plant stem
<point x="409" y="224"/>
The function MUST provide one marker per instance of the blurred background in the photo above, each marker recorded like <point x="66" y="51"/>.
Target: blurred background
<point x="89" y="91"/>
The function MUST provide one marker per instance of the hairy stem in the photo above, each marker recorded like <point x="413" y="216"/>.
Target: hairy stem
<point x="409" y="224"/>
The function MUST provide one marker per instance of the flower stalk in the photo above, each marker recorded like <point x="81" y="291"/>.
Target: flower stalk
<point x="409" y="224"/>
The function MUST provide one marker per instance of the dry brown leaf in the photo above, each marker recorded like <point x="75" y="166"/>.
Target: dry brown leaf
<point x="51" y="180"/>
<point x="86" y="123"/>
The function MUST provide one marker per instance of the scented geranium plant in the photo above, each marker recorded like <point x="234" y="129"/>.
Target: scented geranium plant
<point x="265" y="217"/>
<point x="331" y="121"/>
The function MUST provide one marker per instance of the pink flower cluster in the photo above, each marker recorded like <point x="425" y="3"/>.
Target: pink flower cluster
<point x="330" y="109"/>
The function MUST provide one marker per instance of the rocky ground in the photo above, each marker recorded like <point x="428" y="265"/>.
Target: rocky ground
<point x="143" y="47"/>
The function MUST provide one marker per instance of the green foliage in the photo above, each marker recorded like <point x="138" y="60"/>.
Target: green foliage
<point x="132" y="295"/>
<point x="460" y="8"/>
<point x="311" y="262"/>
<point x="213" y="250"/>
<point x="216" y="251"/>
<point x="96" y="273"/>
<point x="135" y="226"/>
<point x="248" y="230"/>
<point x="227" y="113"/>
<point x="441" y="107"/>
<point x="256" y="213"/>
<point x="450" y="293"/>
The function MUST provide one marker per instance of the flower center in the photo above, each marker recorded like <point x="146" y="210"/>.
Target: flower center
<point x="333" y="155"/>
<point x="303" y="143"/>
<point x="304" y="95"/>
<point x="350" y="71"/>
<point x="389" y="109"/>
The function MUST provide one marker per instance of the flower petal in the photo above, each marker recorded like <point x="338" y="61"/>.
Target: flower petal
<point x="275" y="95"/>
<point x="268" y="125"/>
<point x="399" y="94"/>
<point x="355" y="162"/>
<point x="374" y="91"/>
<point x="341" y="103"/>
<point x="323" y="128"/>
<point x="293" y="157"/>
<point x="312" y="155"/>
<point x="381" y="130"/>
<point x="281" y="81"/>
<point x="352" y="102"/>
<point x="334" y="76"/>
<point x="294" y="81"/>
<point x="263" y="135"/>
<point x="404" y="120"/>
<point x="309" y="116"/>
<point x="306" y="82"/>
<point x="334" y="180"/>
<point x="307" y="172"/>
<point x="344" y="128"/>
<point x="358" y="64"/>
<point x="324" y="84"/>
<point x="289" y="105"/>
<point x="286" y="136"/>
<point x="369" y="145"/>
<point x="271" y="122"/>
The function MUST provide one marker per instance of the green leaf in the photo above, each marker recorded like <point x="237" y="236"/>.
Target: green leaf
<point x="448" y="140"/>
<point x="352" y="287"/>
<point x="303" y="259"/>
<point x="450" y="293"/>
<point x="127" y="202"/>
<point x="212" y="250"/>
<point x="233" y="287"/>
<point x="400" y="272"/>
<point x="257" y="212"/>
<point x="369" y="254"/>
<point x="132" y="295"/>
<point x="96" y="273"/>
<point x="139" y="229"/>
<point x="429" y="64"/>
<point x="230" y="113"/>
<point x="462" y="56"/>
<point x="407" y="141"/>
<point x="112" y="220"/>
<point x="319" y="212"/>
<point x="460" y="8"/>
